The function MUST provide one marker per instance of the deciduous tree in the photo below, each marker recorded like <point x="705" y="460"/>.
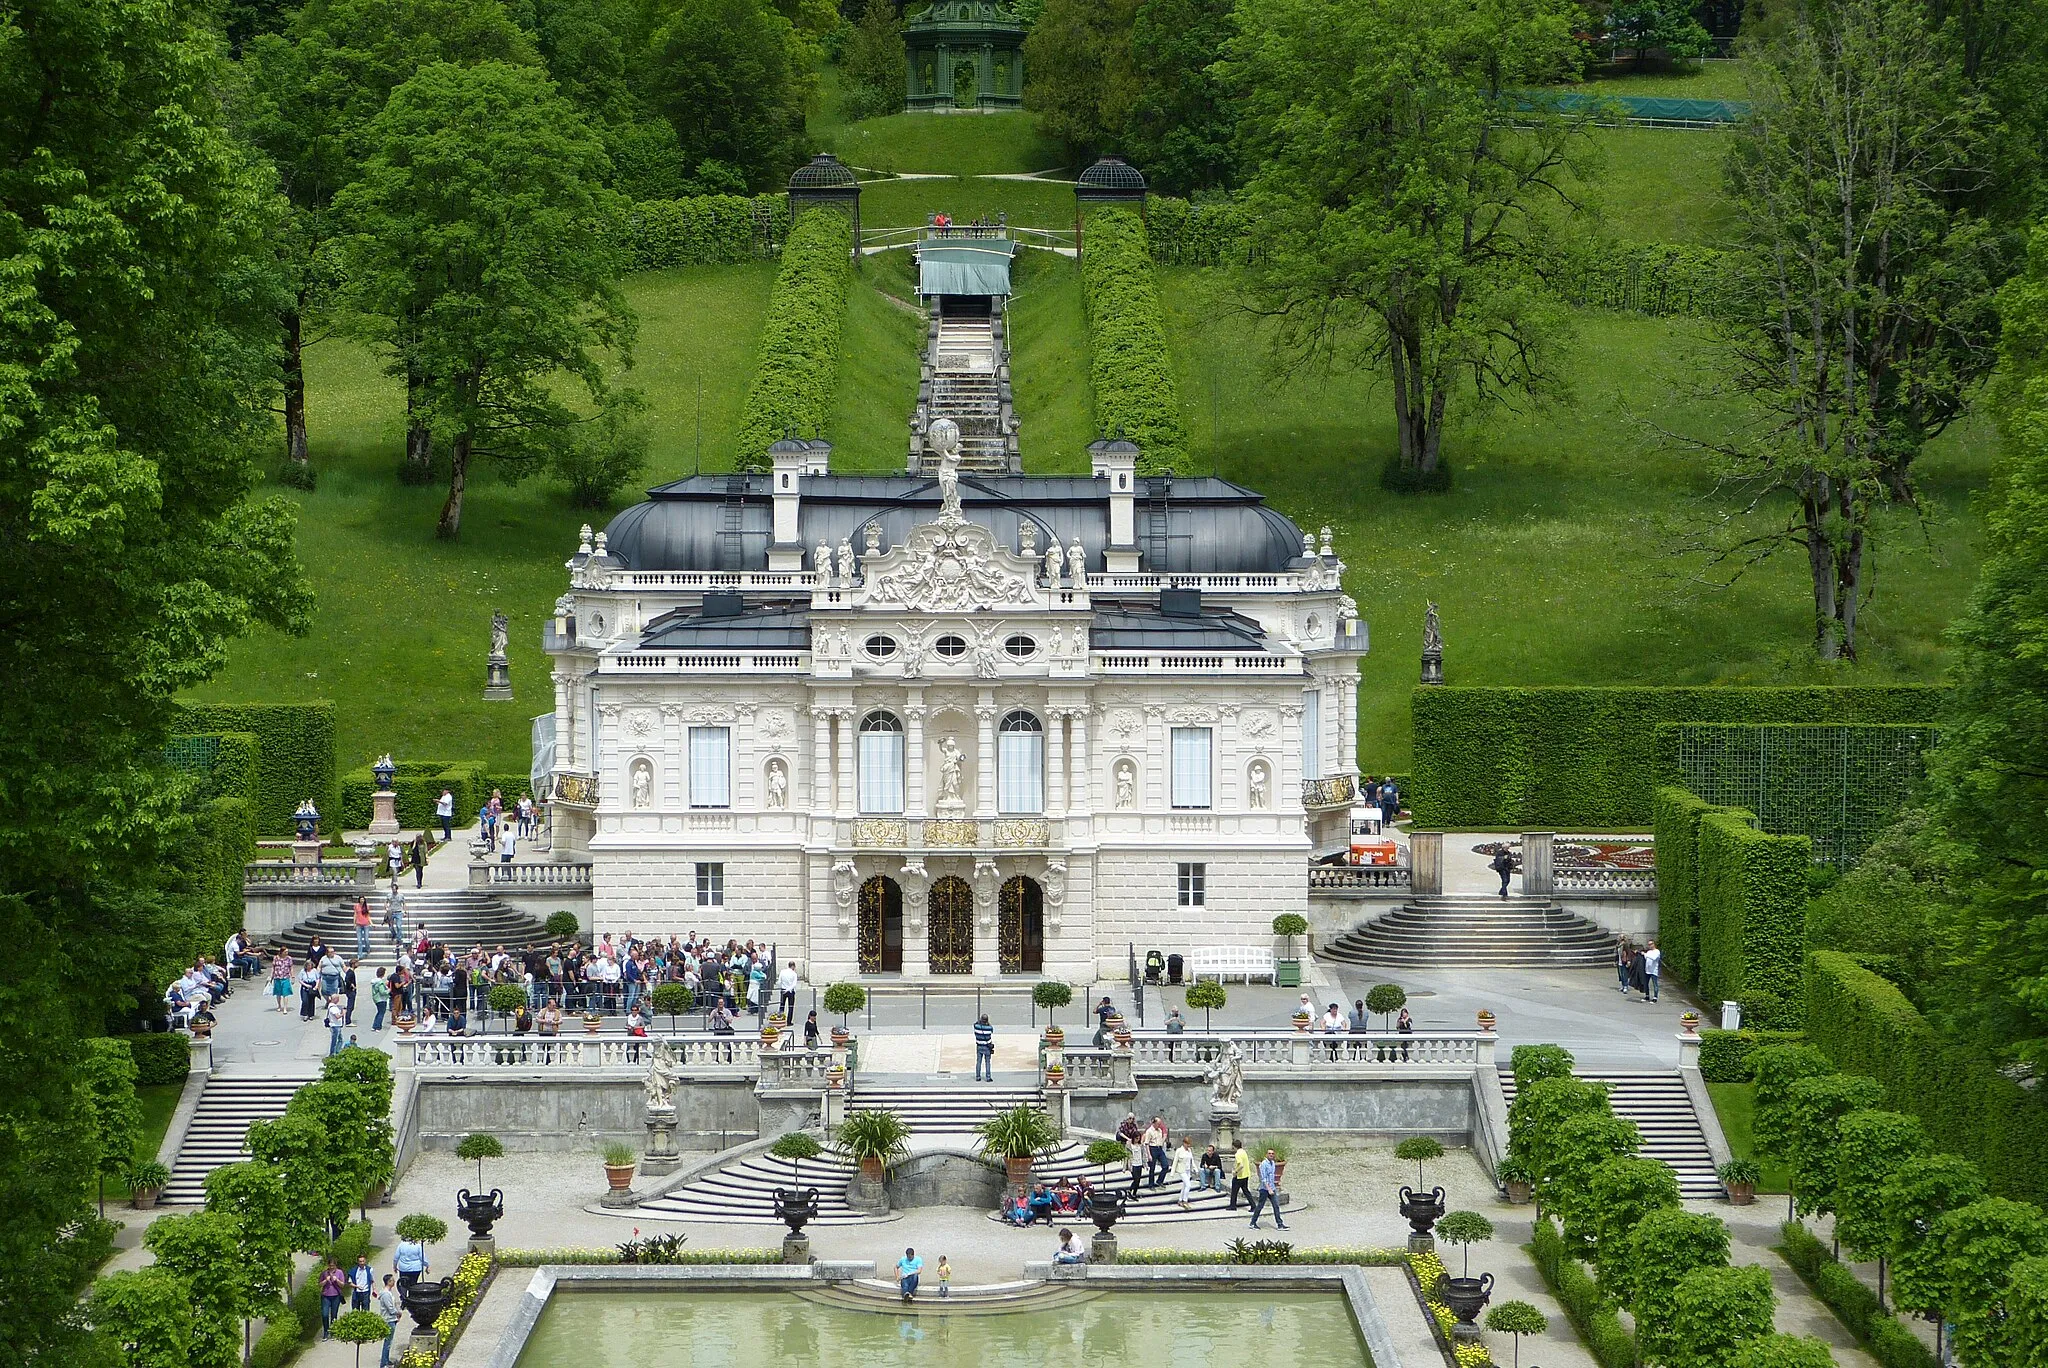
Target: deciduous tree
<point x="1871" y="1147"/>
<point x="732" y="77"/>
<point x="145" y="1315"/>
<point x="1670" y="1244"/>
<point x="1818" y="1106"/>
<point x="204" y="1250"/>
<point x="1080" y="82"/>
<point x="1620" y="1193"/>
<point x="1714" y="1312"/>
<point x="1980" y="1245"/>
<point x="1914" y="1199"/>
<point x="108" y="1072"/>
<point x="873" y="66"/>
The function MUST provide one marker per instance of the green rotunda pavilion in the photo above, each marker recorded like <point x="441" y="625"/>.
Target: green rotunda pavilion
<point x="964" y="54"/>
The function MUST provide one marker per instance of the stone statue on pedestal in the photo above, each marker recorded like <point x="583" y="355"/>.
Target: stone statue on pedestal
<point x="660" y="1083"/>
<point x="497" y="673"/>
<point x="1432" y="647"/>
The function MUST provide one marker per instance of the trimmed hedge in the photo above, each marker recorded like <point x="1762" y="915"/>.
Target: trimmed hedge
<point x="295" y="748"/>
<point x="1129" y="369"/>
<point x="223" y="842"/>
<point x="797" y="375"/>
<point x="163" y="1057"/>
<point x="1676" y="825"/>
<point x="282" y="1335"/>
<point x="225" y="764"/>
<point x="1591" y="1312"/>
<point x="1865" y="1025"/>
<point x="1854" y="1305"/>
<point x="1724" y="1055"/>
<point x="705" y="230"/>
<point x="1184" y="234"/>
<point x="418" y="784"/>
<point x="1752" y="926"/>
<point x="1586" y="758"/>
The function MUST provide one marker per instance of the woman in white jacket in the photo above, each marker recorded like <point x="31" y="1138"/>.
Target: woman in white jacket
<point x="1184" y="1169"/>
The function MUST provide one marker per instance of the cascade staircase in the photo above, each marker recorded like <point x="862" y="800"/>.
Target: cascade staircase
<point x="1662" y="1110"/>
<point x="941" y="1119"/>
<point x="457" y="917"/>
<point x="1476" y="930"/>
<point x="968" y="384"/>
<point x="220" y="1127"/>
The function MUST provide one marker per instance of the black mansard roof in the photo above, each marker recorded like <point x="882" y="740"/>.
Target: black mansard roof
<point x="1185" y="525"/>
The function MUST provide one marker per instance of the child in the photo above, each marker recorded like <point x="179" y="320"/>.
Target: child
<point x="945" y="1277"/>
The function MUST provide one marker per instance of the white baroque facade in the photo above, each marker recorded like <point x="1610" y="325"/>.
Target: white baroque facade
<point x="957" y="726"/>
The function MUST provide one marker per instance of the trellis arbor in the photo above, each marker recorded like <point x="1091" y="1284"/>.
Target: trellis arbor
<point x="964" y="54"/>
<point x="1840" y="785"/>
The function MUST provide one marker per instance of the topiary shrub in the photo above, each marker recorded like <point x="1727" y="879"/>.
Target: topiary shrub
<point x="796" y="376"/>
<point x="563" y="925"/>
<point x="1419" y="1150"/>
<point x="844" y="999"/>
<point x="1385" y="999"/>
<point x="1130" y="370"/>
<point x="1209" y="995"/>
<point x="1051" y="994"/>
<point x="672" y="1000"/>
<point x="506" y="998"/>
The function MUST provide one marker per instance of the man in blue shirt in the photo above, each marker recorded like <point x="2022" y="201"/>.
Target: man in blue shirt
<point x="1269" y="1191"/>
<point x="907" y="1269"/>
<point x="984" y="1050"/>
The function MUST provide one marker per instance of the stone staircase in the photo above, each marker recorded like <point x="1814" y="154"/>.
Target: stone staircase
<point x="1475" y="930"/>
<point x="220" y="1127"/>
<point x="941" y="1119"/>
<point x="967" y="387"/>
<point x="1662" y="1110"/>
<point x="458" y="917"/>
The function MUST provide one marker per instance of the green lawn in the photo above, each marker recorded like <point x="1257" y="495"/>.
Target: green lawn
<point x="956" y="144"/>
<point x="1712" y="80"/>
<point x="907" y="203"/>
<point x="1735" y="1105"/>
<point x="1549" y="558"/>
<point x="1661" y="184"/>
<point x="882" y="342"/>
<point x="1049" y="364"/>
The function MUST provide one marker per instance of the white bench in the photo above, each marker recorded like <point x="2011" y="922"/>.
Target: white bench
<point x="1232" y="961"/>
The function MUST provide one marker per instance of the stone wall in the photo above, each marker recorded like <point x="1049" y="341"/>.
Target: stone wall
<point x="654" y="891"/>
<point x="1370" y="1106"/>
<point x="556" y="1114"/>
<point x="944" y="1180"/>
<point x="1137" y="896"/>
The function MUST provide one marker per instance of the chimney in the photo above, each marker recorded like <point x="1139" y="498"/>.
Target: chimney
<point x="789" y="460"/>
<point x="1117" y="462"/>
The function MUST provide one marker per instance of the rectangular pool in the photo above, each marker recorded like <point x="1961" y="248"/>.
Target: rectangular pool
<point x="745" y="1329"/>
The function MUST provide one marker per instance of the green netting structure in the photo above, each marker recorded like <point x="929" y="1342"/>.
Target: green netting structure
<point x="1840" y="785"/>
<point x="1652" y="109"/>
<point x="191" y="754"/>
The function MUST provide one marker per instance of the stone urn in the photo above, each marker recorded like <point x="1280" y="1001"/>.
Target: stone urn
<point x="1055" y="1076"/>
<point x="835" y="1077"/>
<point x="404" y="1021"/>
<point x="768" y="1035"/>
<point x="796" y="1207"/>
<point x="840" y="1035"/>
<point x="480" y="1211"/>
<point x="1055" y="1038"/>
<point x="1486" y="1020"/>
<point x="1466" y="1297"/>
<point x="1421" y="1210"/>
<point x="1301" y="1023"/>
<point x="1691" y="1022"/>
<point x="1104" y="1208"/>
<point x="591" y="1022"/>
<point x="424" y="1302"/>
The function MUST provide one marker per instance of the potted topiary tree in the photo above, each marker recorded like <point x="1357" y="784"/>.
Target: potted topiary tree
<point x="672" y="1000"/>
<point x="796" y="1147"/>
<point x="1016" y="1137"/>
<point x="874" y="1140"/>
<point x="1419" y="1150"/>
<point x="563" y="926"/>
<point x="1383" y="1000"/>
<point x="1465" y="1295"/>
<point x="1108" y="1154"/>
<point x="479" y="1209"/>
<point x="1517" y="1318"/>
<point x="145" y="1182"/>
<point x="358" y="1328"/>
<point x="1287" y="971"/>
<point x="1740" y="1177"/>
<point x="1207" y="995"/>
<point x="843" y="1000"/>
<point x="619" y="1162"/>
<point x="1051" y="994"/>
<point x="505" y="998"/>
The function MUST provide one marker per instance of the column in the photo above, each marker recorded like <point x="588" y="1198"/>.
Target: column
<point x="1426" y="851"/>
<point x="1055" y="761"/>
<point x="1080" y="788"/>
<point x="913" y="755"/>
<point x="846" y="725"/>
<point x="565" y="724"/>
<point x="1347" y="732"/>
<point x="821" y="761"/>
<point x="985" y="764"/>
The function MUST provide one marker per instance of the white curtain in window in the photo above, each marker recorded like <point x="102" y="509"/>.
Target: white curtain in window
<point x="1191" y="767"/>
<point x="1020" y="765"/>
<point x="1312" y="734"/>
<point x="710" y="767"/>
<point x="881" y="770"/>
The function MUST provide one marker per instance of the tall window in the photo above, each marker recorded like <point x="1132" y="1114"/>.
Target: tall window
<point x="710" y="885"/>
<point x="1020" y="764"/>
<point x="1312" y="734"/>
<point x="1194" y="885"/>
<point x="1191" y="767"/>
<point x="710" y="767"/>
<point x="881" y="763"/>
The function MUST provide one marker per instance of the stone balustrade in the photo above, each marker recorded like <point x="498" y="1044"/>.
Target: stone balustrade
<point x="695" y="1053"/>
<point x="334" y="874"/>
<point x="1279" y="1054"/>
<point x="1639" y="882"/>
<point x="1360" y="876"/>
<point x="551" y="874"/>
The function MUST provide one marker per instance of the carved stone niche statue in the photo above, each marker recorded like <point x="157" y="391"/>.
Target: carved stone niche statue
<point x="778" y="784"/>
<point x="1126" y="785"/>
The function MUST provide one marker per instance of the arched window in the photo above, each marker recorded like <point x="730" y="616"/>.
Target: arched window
<point x="1020" y="764"/>
<point x="881" y="763"/>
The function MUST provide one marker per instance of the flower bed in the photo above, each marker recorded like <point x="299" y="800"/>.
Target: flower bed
<point x="1334" y="1254"/>
<point x="465" y="1290"/>
<point x="589" y="1254"/>
<point x="1424" y="1270"/>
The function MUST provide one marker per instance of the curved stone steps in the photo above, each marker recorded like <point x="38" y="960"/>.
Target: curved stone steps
<point x="1475" y="931"/>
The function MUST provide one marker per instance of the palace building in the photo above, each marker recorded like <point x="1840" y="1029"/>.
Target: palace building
<point x="953" y="724"/>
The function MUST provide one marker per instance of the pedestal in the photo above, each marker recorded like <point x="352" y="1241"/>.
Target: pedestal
<point x="1102" y="1249"/>
<point x="867" y="1195"/>
<point x="796" y="1249"/>
<point x="619" y="1197"/>
<point x="497" y="680"/>
<point x="1462" y="1333"/>
<point x="486" y="1245"/>
<point x="661" y="1156"/>
<point x="1538" y="876"/>
<point x="306" y="852"/>
<point x="424" y="1342"/>
<point x="1421" y="1244"/>
<point x="1223" y="1130"/>
<point x="1426" y="854"/>
<point x="1432" y="667"/>
<point x="383" y="813"/>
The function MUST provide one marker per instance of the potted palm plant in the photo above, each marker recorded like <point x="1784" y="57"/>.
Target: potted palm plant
<point x="1016" y="1137"/>
<point x="874" y="1140"/>
<point x="1740" y="1177"/>
<point x="145" y="1181"/>
<point x="619" y="1161"/>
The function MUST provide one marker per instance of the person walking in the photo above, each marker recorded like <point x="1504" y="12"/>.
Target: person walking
<point x="444" y="812"/>
<point x="337" y="1018"/>
<point x="508" y="843"/>
<point x="1621" y="953"/>
<point x="1269" y="1191"/>
<point x="1241" y="1177"/>
<point x="907" y="1269"/>
<point x="394" y="916"/>
<point x="419" y="860"/>
<point x="348" y="992"/>
<point x="1653" y="971"/>
<point x="362" y="1284"/>
<point x="332" y="1283"/>
<point x="1156" y="1136"/>
<point x="1502" y="864"/>
<point x="362" y="919"/>
<point x="785" y="988"/>
<point x="281" y="977"/>
<point x="811" y="1031"/>
<point x="1135" y="1152"/>
<point x="309" y="991"/>
<point x="390" y="1307"/>
<point x="984" y="1051"/>
<point x="1184" y="1169"/>
<point x="380" y="998"/>
<point x="1405" y="1025"/>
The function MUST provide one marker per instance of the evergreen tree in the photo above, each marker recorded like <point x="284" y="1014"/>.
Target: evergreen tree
<point x="873" y="66"/>
<point x="484" y="249"/>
